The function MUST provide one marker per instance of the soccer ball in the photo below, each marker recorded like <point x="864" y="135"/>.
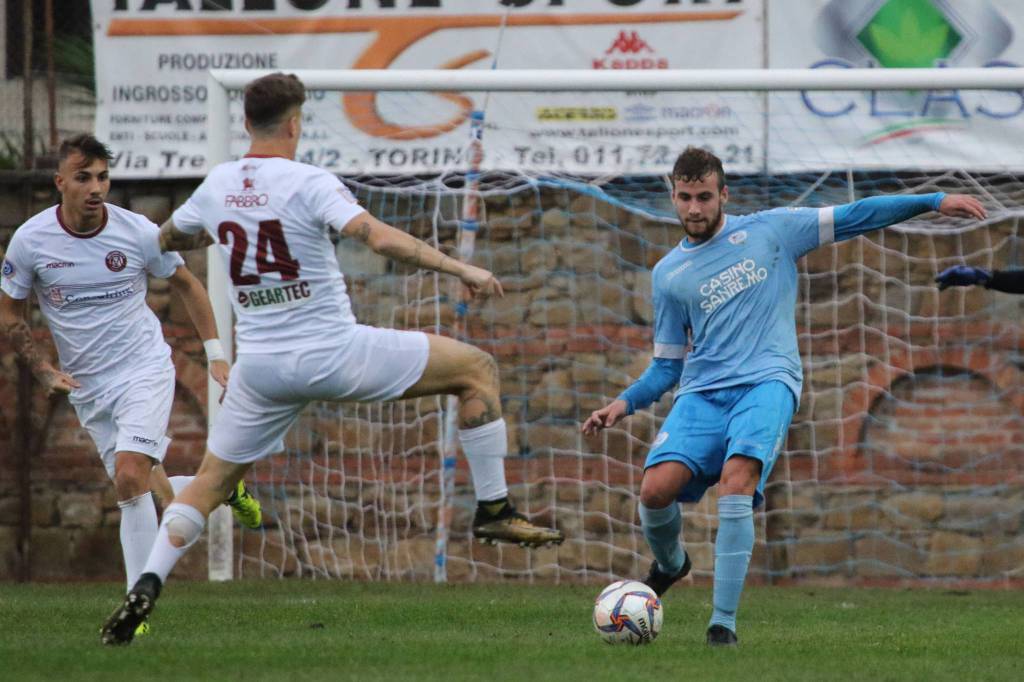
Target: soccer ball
<point x="627" y="612"/>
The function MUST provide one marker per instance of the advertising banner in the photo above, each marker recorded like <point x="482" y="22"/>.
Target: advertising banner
<point x="926" y="129"/>
<point x="152" y="57"/>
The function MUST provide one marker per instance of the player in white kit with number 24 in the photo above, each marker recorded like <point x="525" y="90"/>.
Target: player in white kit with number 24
<point x="298" y="340"/>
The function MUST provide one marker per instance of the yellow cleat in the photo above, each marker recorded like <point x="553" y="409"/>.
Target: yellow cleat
<point x="508" y="525"/>
<point x="245" y="507"/>
<point x="143" y="629"/>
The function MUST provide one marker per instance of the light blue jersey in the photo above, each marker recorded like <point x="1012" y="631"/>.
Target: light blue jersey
<point x="733" y="297"/>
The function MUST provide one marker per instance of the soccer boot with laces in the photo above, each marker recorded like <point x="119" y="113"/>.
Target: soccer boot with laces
<point x="719" y="635"/>
<point x="245" y="507"/>
<point x="143" y="629"/>
<point x="122" y="624"/>
<point x="660" y="582"/>
<point x="508" y="525"/>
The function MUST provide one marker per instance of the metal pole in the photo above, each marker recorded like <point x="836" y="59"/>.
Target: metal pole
<point x="220" y="546"/>
<point x="24" y="472"/>
<point x="51" y="77"/>
<point x="28" y="130"/>
<point x="680" y="80"/>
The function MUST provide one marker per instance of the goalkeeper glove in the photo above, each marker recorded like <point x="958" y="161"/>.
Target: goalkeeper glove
<point x="962" y="276"/>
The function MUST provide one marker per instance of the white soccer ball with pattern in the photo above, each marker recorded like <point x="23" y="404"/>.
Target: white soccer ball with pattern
<point x="627" y="612"/>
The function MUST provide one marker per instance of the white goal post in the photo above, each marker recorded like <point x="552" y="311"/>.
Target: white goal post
<point x="219" y="136"/>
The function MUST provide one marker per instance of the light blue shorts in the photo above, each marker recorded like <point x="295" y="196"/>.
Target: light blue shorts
<point x="705" y="429"/>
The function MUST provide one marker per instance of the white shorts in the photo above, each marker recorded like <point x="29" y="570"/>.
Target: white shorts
<point x="130" y="415"/>
<point x="267" y="391"/>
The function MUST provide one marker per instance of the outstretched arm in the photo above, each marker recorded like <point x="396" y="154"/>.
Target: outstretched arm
<point x="14" y="324"/>
<point x="173" y="239"/>
<point x="397" y="245"/>
<point x="197" y="303"/>
<point x="873" y="213"/>
<point x="1009" y="281"/>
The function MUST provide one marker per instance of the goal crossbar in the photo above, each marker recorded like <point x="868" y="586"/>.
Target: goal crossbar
<point x="551" y="80"/>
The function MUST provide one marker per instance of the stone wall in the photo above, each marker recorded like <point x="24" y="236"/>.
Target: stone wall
<point x="902" y="463"/>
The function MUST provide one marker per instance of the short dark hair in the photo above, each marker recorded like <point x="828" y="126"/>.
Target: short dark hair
<point x="86" y="145"/>
<point x="269" y="99"/>
<point x="695" y="164"/>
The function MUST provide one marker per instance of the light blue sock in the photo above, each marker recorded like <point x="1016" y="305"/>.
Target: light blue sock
<point x="661" y="528"/>
<point x="733" y="546"/>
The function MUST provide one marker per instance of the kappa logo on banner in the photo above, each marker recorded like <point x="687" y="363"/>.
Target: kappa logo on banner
<point x="637" y="54"/>
<point x="629" y="43"/>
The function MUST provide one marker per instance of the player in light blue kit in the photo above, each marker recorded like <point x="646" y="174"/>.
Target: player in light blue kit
<point x="728" y="290"/>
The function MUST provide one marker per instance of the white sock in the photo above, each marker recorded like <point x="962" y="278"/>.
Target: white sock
<point x="138" y="530"/>
<point x="178" y="483"/>
<point x="485" y="447"/>
<point x="183" y="520"/>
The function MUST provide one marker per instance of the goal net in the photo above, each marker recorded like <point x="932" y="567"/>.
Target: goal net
<point x="904" y="459"/>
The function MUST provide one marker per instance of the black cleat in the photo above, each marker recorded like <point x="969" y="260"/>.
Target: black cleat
<point x="120" y="627"/>
<point x="719" y="635"/>
<point x="660" y="582"/>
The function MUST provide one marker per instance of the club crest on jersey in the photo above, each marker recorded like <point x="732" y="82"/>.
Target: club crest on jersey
<point x="116" y="261"/>
<point x="738" y="237"/>
<point x="247" y="184"/>
<point x="8" y="269"/>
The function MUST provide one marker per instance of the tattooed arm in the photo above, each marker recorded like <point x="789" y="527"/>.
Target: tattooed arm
<point x="15" y="327"/>
<point x="397" y="245"/>
<point x="173" y="239"/>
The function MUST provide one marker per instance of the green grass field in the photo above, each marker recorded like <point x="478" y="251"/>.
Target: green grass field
<point x="290" y="630"/>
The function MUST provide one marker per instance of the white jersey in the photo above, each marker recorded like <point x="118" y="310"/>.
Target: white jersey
<point x="271" y="218"/>
<point x="92" y="291"/>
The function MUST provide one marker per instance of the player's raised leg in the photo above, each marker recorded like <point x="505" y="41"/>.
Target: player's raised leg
<point x="183" y="523"/>
<point x="456" y="368"/>
<point x="662" y="523"/>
